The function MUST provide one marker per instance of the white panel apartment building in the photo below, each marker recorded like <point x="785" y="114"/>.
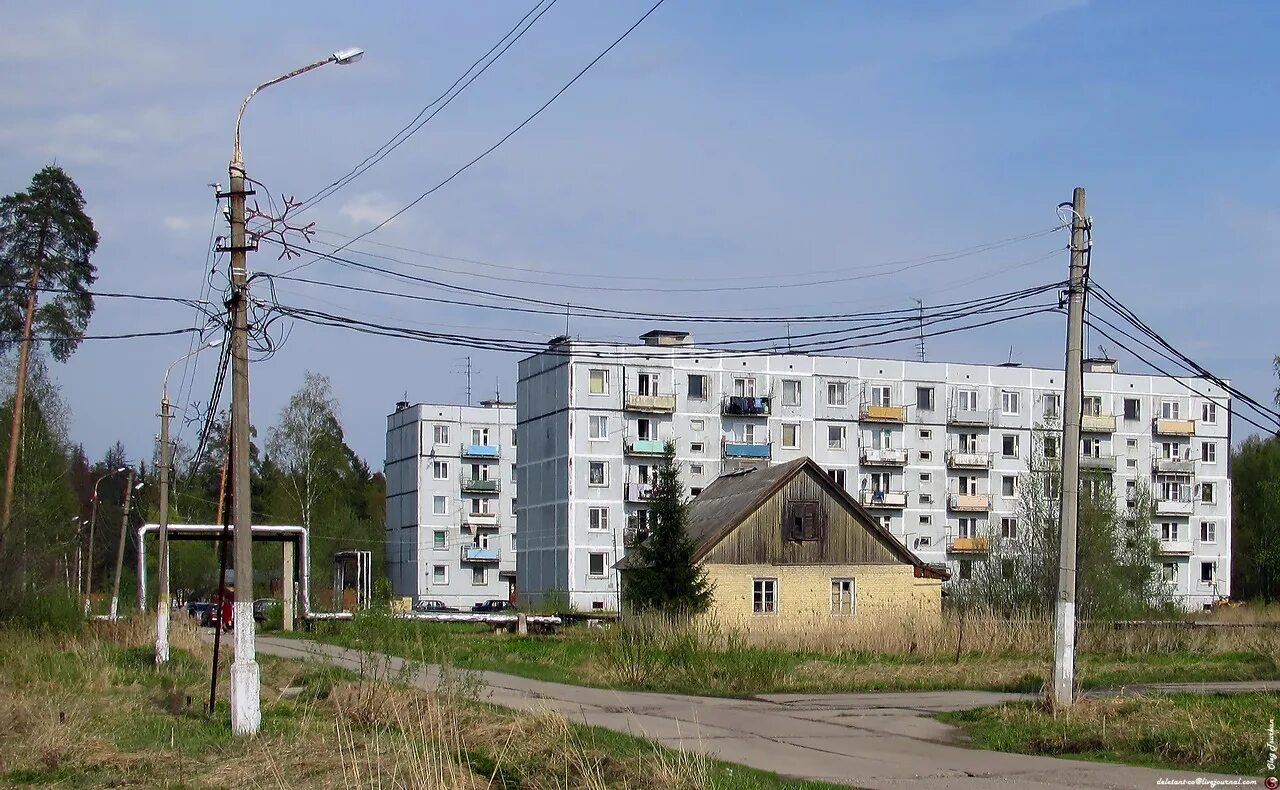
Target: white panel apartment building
<point x="451" y="494"/>
<point x="937" y="450"/>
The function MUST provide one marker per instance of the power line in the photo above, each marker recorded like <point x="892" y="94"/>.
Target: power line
<point x="502" y="140"/>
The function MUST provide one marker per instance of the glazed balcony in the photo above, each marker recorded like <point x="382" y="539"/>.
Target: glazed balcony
<point x="655" y="404"/>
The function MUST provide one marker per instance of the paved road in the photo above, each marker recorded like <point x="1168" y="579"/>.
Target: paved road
<point x="874" y="740"/>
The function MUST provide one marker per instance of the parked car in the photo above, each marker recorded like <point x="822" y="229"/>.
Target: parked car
<point x="260" y="608"/>
<point x="494" y="605"/>
<point x="197" y="609"/>
<point x="431" y="605"/>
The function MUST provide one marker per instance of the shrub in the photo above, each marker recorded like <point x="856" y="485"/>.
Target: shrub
<point x="48" y="611"/>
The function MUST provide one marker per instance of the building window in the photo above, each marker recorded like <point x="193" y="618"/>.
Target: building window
<point x="1208" y="532"/>
<point x="926" y="520"/>
<point x="1006" y="569"/>
<point x="926" y="455"/>
<point x="440" y="470"/>
<point x="1050" y="447"/>
<point x="1010" y="402"/>
<point x="968" y="442"/>
<point x="926" y="434"/>
<point x="599" y="382"/>
<point x="1169" y="410"/>
<point x="695" y="470"/>
<point x="598" y="518"/>
<point x="967" y="527"/>
<point x="1009" y="528"/>
<point x="1208" y="572"/>
<point x="1052" y="405"/>
<point x="1132" y="409"/>
<point x="926" y="477"/>
<point x="790" y="392"/>
<point x="967" y="399"/>
<point x="744" y="388"/>
<point x="926" y="498"/>
<point x="513" y="437"/>
<point x="1168" y="531"/>
<point x="842" y="596"/>
<point x="746" y="433"/>
<point x="1209" y="413"/>
<point x="924" y="398"/>
<point x="790" y="436"/>
<point x="1207" y="492"/>
<point x="1209" y="452"/>
<point x="480" y="436"/>
<point x="596" y="564"/>
<point x="697" y="386"/>
<point x="438" y="539"/>
<point x="697" y="425"/>
<point x="882" y="395"/>
<point x="442" y="434"/>
<point x="1052" y="487"/>
<point x="440" y="505"/>
<point x="1009" y="445"/>
<point x="598" y="473"/>
<point x="695" y="491"/>
<point x="697" y="447"/>
<point x="1091" y="405"/>
<point x="836" y="395"/>
<point x="1169" y="572"/>
<point x="966" y="569"/>
<point x="477" y="576"/>
<point x="764" y="596"/>
<point x="513" y="473"/>
<point x="837" y="476"/>
<point x="440" y="574"/>
<point x="1007" y="485"/>
<point x="599" y="427"/>
<point x="835" y="437"/>
<point x="802" y="520"/>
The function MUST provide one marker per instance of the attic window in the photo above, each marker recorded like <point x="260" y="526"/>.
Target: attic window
<point x="802" y="520"/>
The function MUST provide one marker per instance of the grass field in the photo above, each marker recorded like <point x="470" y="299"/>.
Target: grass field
<point x="91" y="710"/>
<point x="1203" y="732"/>
<point x="981" y="653"/>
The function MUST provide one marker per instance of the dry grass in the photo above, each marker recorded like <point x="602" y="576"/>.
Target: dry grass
<point x="90" y="710"/>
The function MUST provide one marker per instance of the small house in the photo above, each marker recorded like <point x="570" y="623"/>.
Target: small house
<point x="787" y="543"/>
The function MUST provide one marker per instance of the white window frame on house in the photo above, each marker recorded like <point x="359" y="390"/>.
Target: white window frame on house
<point x="967" y="399"/>
<point x="440" y="574"/>
<point x="1050" y="447"/>
<point x="646" y="383"/>
<point x="744" y="387"/>
<point x="836" y="476"/>
<point x="439" y="539"/>
<point x="1209" y="413"/>
<point x="603" y="559"/>
<point x="1009" y="527"/>
<point x="1009" y="445"/>
<point x="697" y="447"/>
<point x="1091" y="405"/>
<point x="695" y="470"/>
<point x="881" y="395"/>
<point x="1209" y="452"/>
<point x="1213" y="572"/>
<point x="842" y="597"/>
<point x="698" y="392"/>
<point x="747" y="432"/>
<point x="603" y="466"/>
<point x="926" y="520"/>
<point x="926" y="477"/>
<point x="926" y="498"/>
<point x="879" y="481"/>
<point x="836" y="435"/>
<point x="697" y="425"/>
<point x="441" y="434"/>
<point x="480" y="506"/>
<point x="882" y="438"/>
<point x="791" y="442"/>
<point x="513" y="437"/>
<point x="1010" y="402"/>
<point x="1169" y="572"/>
<point x="1008" y="486"/>
<point x="598" y="519"/>
<point x="967" y="527"/>
<point x="598" y="427"/>
<point x="439" y="470"/>
<point x="478" y="576"/>
<point x="440" y="505"/>
<point x="1052" y="406"/>
<point x="1208" y="493"/>
<point x="1208" y="532"/>
<point x="926" y="434"/>
<point x="598" y="381"/>
<point x="764" y="597"/>
<point x="791" y="392"/>
<point x="926" y="455"/>
<point x="1136" y="411"/>
<point x="837" y="393"/>
<point x="1168" y="531"/>
<point x="480" y="436"/>
<point x="1169" y="410"/>
<point x="925" y="399"/>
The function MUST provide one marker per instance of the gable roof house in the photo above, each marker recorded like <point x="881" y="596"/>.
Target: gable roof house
<point x="785" y="546"/>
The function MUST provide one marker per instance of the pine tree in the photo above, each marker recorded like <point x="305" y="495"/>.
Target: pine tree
<point x="664" y="576"/>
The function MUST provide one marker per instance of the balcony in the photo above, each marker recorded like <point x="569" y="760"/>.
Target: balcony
<point x="1098" y="463"/>
<point x="894" y="499"/>
<point x="877" y="413"/>
<point x="1098" y="423"/>
<point x="1174" y="466"/>
<point x="489" y="451"/>
<point x="657" y="404"/>
<point x="639" y="492"/>
<point x="969" y="503"/>
<point x="1173" y="427"/>
<point x="1176" y="547"/>
<point x="968" y="417"/>
<point x="746" y="406"/>
<point x="480" y="554"/>
<point x="479" y="519"/>
<point x="479" y="485"/>
<point x="1174" y="507"/>
<point x="884" y="456"/>
<point x="647" y="447"/>
<point x="969" y="545"/>
<point x="960" y="460"/>
<point x="747" y="450"/>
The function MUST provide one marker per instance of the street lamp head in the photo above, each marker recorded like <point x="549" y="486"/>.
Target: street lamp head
<point x="345" y="56"/>
<point x="138" y="486"/>
<point x="217" y="341"/>
<point x="122" y="469"/>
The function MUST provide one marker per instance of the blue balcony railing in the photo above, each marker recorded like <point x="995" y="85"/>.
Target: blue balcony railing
<point x="744" y="450"/>
<point x="479" y="554"/>
<point x="480" y="451"/>
<point x="646" y="447"/>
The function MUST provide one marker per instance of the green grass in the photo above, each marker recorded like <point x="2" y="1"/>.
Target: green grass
<point x="1212" y="733"/>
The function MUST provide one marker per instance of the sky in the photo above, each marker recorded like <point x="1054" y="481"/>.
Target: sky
<point x="749" y="145"/>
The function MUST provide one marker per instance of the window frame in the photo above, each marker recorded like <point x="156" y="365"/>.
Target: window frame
<point x="603" y="557"/>
<point x="439" y="539"/>
<point x="794" y="427"/>
<point x="1208" y="452"/>
<point x="594" y="374"/>
<point x="764" y="596"/>
<point x="1010" y="402"/>
<point x="439" y="470"/>
<point x="929" y="401"/>
<point x="702" y="388"/>
<point x="437" y="577"/>
<point x="597" y="519"/>
<point x="837" y="393"/>
<point x="1010" y="440"/>
<point x="478" y="577"/>
<point x="1210" y="529"/>
<point x="604" y="467"/>
<point x="601" y="421"/>
<point x="439" y="429"/>
<point x="843" y="596"/>
<point x="436" y="501"/>
<point x="798" y="388"/>
<point x="1009" y="527"/>
<point x="1137" y="408"/>
<point x="839" y="440"/>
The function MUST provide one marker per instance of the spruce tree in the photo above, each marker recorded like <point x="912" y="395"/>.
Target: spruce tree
<point x="664" y="576"/>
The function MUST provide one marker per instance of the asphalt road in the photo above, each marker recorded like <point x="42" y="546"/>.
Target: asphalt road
<point x="872" y="740"/>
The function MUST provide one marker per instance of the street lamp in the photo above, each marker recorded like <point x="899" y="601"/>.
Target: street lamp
<point x="124" y="526"/>
<point x="93" y="521"/>
<point x="246" y="715"/>
<point x="166" y="462"/>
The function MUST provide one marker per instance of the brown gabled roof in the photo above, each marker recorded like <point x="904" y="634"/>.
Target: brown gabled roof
<point x="731" y="498"/>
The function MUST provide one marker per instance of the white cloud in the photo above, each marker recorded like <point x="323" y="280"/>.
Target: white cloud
<point x="369" y="209"/>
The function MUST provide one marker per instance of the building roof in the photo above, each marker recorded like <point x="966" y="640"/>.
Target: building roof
<point x="732" y="498"/>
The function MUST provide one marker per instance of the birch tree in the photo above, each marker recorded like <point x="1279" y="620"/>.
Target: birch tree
<point x="306" y="446"/>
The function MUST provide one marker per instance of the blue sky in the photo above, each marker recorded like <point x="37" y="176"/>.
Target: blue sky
<point x="722" y="141"/>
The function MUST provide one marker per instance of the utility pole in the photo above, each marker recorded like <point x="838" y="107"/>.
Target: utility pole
<point x="162" y="587"/>
<point x="920" y="309"/>
<point x="1064" y="621"/>
<point x="468" y="381"/>
<point x="88" y="573"/>
<point x="124" y="528"/>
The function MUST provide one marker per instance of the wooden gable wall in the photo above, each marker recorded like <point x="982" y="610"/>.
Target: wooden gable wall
<point x="760" y="537"/>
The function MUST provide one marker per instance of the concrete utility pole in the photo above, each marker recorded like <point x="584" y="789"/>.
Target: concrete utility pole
<point x="1064" y="621"/>
<point x="246" y="713"/>
<point x="124" y="528"/>
<point x="93" y="520"/>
